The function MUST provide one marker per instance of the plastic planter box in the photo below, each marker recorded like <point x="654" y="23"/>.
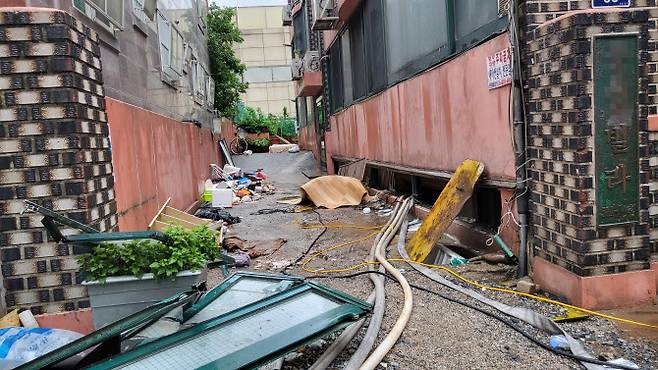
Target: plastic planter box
<point x="121" y="296"/>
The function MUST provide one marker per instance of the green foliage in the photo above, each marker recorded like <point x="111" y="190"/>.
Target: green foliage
<point x="259" y="145"/>
<point x="185" y="250"/>
<point x="257" y="121"/>
<point x="225" y="67"/>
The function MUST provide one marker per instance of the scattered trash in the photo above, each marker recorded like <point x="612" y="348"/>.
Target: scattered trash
<point x="355" y="169"/>
<point x="622" y="362"/>
<point x="241" y="259"/>
<point x="248" y="152"/>
<point x="527" y="286"/>
<point x="294" y="149"/>
<point x="217" y="215"/>
<point x="20" y="345"/>
<point x="254" y="249"/>
<point x="414" y="225"/>
<point x="222" y="198"/>
<point x="571" y="315"/>
<point x="28" y="320"/>
<point x="367" y="210"/>
<point x="385" y="212"/>
<point x="281" y="148"/>
<point x="334" y="191"/>
<point x="559" y="342"/>
<point x="232" y="171"/>
<point x="458" y="261"/>
<point x="10" y="319"/>
<point x="449" y="203"/>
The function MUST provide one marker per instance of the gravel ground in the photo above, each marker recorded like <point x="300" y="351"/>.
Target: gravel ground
<point x="440" y="334"/>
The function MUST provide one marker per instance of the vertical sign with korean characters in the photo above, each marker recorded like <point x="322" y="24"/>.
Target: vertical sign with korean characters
<point x="616" y="153"/>
<point x="499" y="69"/>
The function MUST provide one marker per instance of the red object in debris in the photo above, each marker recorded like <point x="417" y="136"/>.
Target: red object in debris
<point x="260" y="175"/>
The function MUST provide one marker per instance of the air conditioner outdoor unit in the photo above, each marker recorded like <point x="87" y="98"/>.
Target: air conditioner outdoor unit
<point x="312" y="61"/>
<point x="287" y="15"/>
<point x="324" y="15"/>
<point x="297" y="67"/>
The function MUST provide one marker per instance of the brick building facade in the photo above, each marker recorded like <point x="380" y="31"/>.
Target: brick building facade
<point x="55" y="149"/>
<point x="591" y="84"/>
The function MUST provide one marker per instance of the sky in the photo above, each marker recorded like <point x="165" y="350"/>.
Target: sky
<point x="245" y="3"/>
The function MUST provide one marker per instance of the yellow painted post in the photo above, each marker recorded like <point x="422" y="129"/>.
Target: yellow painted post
<point x="451" y="200"/>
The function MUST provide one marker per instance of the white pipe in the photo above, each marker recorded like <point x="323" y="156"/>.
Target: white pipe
<point x="395" y="333"/>
<point x="377" y="317"/>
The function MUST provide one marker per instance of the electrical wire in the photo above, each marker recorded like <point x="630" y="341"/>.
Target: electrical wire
<point x="487" y="313"/>
<point x="458" y="276"/>
<point x="286" y="267"/>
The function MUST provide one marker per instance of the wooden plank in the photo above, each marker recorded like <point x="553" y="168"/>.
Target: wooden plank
<point x="185" y="216"/>
<point x="166" y="203"/>
<point x="171" y="220"/>
<point x="451" y="200"/>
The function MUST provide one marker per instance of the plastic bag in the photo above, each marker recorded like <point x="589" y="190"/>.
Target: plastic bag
<point x="19" y="345"/>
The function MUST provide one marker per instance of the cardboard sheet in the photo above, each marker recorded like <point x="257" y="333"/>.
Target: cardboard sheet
<point x="334" y="191"/>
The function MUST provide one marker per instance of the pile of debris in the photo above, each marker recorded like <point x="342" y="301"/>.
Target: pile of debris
<point x="230" y="186"/>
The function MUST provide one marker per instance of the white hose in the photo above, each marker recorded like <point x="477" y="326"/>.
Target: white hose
<point x="380" y="254"/>
<point x="377" y="317"/>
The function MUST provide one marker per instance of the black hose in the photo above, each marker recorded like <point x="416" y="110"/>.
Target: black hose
<point x="308" y="250"/>
<point x="487" y="313"/>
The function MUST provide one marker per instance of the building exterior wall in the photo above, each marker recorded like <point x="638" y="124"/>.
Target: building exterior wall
<point x="81" y="107"/>
<point x="591" y="256"/>
<point x="54" y="150"/>
<point x="266" y="53"/>
<point x="133" y="71"/>
<point x="430" y="121"/>
<point x="156" y="158"/>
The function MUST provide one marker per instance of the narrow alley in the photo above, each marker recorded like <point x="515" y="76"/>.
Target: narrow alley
<point x="328" y="184"/>
<point x="441" y="334"/>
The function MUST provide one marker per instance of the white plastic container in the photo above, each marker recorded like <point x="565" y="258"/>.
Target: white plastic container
<point x="222" y="198"/>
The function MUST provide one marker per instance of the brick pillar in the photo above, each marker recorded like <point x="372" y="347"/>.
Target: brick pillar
<point x="588" y="142"/>
<point x="54" y="149"/>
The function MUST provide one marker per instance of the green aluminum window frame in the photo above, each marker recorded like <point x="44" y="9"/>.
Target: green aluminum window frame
<point x="264" y="351"/>
<point x="454" y="47"/>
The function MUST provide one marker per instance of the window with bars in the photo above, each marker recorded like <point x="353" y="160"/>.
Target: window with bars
<point x="300" y="39"/>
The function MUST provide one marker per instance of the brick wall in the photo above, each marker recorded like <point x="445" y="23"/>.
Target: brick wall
<point x="559" y="61"/>
<point x="54" y="149"/>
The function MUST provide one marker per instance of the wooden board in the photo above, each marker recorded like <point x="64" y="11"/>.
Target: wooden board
<point x="451" y="200"/>
<point x="173" y="212"/>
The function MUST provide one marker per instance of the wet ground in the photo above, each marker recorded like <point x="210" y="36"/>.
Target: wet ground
<point x="441" y="334"/>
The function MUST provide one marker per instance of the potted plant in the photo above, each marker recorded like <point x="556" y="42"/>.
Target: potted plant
<point x="123" y="278"/>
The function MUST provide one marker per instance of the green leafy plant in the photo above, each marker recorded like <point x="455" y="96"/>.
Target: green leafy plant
<point x="184" y="250"/>
<point x="259" y="145"/>
<point x="257" y="121"/>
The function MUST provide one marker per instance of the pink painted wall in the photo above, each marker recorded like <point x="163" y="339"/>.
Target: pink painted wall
<point x="434" y="120"/>
<point x="308" y="140"/>
<point x="154" y="158"/>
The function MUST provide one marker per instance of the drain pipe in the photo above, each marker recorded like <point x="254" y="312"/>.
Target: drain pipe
<point x="521" y="142"/>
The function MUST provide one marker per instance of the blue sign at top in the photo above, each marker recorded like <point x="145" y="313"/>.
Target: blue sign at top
<point x="610" y="3"/>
